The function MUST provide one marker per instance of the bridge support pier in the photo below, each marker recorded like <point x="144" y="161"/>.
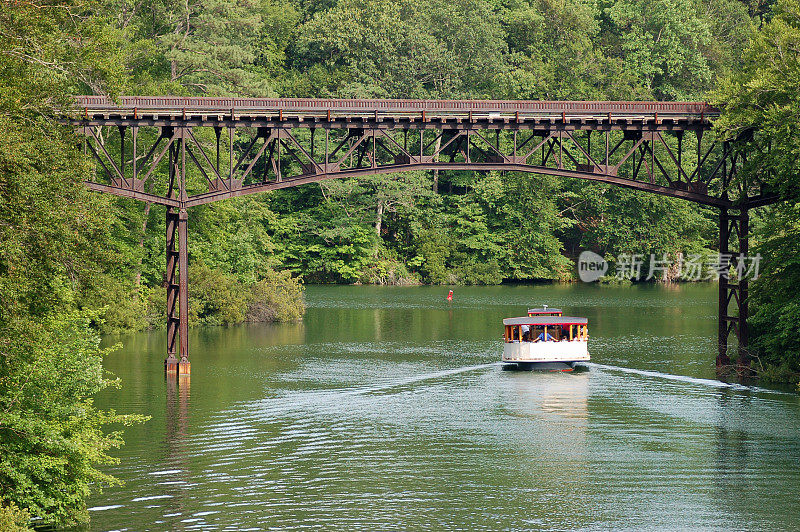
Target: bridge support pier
<point x="177" y="285"/>
<point x="170" y="283"/>
<point x="733" y="288"/>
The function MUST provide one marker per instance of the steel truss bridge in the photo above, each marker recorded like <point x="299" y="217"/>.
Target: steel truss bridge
<point x="183" y="152"/>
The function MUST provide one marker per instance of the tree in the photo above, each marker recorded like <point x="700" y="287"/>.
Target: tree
<point x="52" y="436"/>
<point x="403" y="49"/>
<point x="664" y="42"/>
<point x="613" y="221"/>
<point x="554" y="53"/>
<point x="213" y="47"/>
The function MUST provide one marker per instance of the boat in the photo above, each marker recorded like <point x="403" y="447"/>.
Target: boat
<point x="545" y="340"/>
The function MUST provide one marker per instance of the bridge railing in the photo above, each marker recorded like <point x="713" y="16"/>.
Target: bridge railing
<point x="170" y="105"/>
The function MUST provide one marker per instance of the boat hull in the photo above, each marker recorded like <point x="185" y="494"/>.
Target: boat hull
<point x="540" y="366"/>
<point x="543" y="353"/>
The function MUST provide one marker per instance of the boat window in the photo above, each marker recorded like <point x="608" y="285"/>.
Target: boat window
<point x="547" y="333"/>
<point x="513" y="333"/>
<point x="555" y="332"/>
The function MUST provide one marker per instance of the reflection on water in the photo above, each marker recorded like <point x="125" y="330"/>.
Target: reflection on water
<point x="387" y="408"/>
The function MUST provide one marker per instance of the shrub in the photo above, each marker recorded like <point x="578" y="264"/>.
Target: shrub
<point x="277" y="297"/>
<point x="156" y="307"/>
<point x="471" y="273"/>
<point x="218" y="298"/>
<point x="125" y="306"/>
<point x="51" y="435"/>
<point x="215" y="298"/>
<point x="389" y="269"/>
<point x="12" y="519"/>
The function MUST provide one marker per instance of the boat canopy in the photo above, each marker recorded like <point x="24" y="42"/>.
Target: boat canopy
<point x="546" y="320"/>
<point x="544" y="310"/>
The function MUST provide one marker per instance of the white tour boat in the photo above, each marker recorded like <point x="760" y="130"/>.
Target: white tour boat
<point x="546" y="340"/>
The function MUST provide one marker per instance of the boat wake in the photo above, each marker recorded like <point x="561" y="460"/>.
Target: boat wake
<point x="317" y="398"/>
<point x="414" y="379"/>
<point x="681" y="378"/>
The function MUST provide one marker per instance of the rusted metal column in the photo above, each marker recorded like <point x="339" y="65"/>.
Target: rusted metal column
<point x="724" y="236"/>
<point x="171" y="284"/>
<point x="184" y="366"/>
<point x="177" y="277"/>
<point x="744" y="249"/>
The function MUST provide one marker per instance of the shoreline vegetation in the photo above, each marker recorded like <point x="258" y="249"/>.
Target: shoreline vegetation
<point x="217" y="298"/>
<point x="75" y="263"/>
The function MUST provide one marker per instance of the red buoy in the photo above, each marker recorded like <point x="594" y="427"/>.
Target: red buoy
<point x="450" y="295"/>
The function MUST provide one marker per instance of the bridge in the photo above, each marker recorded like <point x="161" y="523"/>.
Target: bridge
<point x="211" y="149"/>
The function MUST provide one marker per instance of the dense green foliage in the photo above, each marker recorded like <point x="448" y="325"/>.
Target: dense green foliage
<point x="764" y="93"/>
<point x="220" y="299"/>
<point x="53" y="437"/>
<point x="50" y="434"/>
<point x="58" y="247"/>
<point x="12" y="519"/>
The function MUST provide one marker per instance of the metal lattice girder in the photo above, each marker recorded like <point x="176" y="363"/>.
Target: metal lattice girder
<point x="273" y="143"/>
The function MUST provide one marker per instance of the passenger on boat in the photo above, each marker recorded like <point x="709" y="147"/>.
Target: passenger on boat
<point x="544" y="337"/>
<point x="526" y="332"/>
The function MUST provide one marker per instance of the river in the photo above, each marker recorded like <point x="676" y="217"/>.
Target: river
<point x="386" y="408"/>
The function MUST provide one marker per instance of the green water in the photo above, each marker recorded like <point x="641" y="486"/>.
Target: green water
<point x="386" y="409"/>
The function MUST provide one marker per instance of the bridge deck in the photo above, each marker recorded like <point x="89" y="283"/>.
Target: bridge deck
<point x="307" y="112"/>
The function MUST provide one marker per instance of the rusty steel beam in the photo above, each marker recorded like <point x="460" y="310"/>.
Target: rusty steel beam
<point x="641" y="123"/>
<point x="210" y="197"/>
<point x="743" y="362"/>
<point x="734" y="289"/>
<point x="184" y="366"/>
<point x="172" y="287"/>
<point x="371" y="122"/>
<point x="461" y="115"/>
<point x="761" y="200"/>
<point x="723" y="299"/>
<point x="132" y="194"/>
